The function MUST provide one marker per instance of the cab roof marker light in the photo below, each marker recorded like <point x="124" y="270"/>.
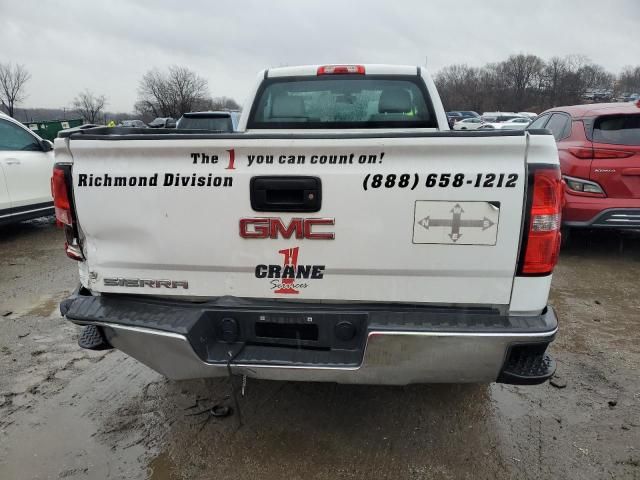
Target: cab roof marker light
<point x="340" y="69"/>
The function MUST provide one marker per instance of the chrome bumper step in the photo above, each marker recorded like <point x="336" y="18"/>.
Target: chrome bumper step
<point x="392" y="344"/>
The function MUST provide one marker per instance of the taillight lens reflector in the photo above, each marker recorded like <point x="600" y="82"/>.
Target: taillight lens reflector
<point x="589" y="153"/>
<point x="580" y="152"/>
<point x="61" y="191"/>
<point x="603" y="153"/>
<point x="340" y="69"/>
<point x="543" y="237"/>
<point x="61" y="200"/>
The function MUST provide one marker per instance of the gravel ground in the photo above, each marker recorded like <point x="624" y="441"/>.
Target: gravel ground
<point x="73" y="414"/>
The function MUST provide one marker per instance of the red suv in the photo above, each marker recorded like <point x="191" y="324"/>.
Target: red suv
<point x="599" y="149"/>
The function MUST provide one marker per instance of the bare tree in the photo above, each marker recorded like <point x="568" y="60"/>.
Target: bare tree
<point x="629" y="80"/>
<point x="12" y="82"/>
<point x="595" y="76"/>
<point x="527" y="82"/>
<point x="521" y="74"/>
<point x="171" y="93"/>
<point x="562" y="81"/>
<point x="460" y="87"/>
<point x="89" y="105"/>
<point x="553" y="80"/>
<point x="224" y="103"/>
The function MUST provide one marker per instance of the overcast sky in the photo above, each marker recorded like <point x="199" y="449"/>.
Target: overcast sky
<point x="106" y="46"/>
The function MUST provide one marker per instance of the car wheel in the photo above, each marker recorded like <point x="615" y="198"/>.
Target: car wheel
<point x="463" y="128"/>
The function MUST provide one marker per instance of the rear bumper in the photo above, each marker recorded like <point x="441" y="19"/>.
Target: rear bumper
<point x="395" y="345"/>
<point x="611" y="218"/>
<point x="592" y="212"/>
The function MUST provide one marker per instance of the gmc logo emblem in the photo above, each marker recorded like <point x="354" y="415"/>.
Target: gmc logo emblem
<point x="275" y="228"/>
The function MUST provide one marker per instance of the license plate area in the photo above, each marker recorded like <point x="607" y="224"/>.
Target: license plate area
<point x="294" y="331"/>
<point x="217" y="332"/>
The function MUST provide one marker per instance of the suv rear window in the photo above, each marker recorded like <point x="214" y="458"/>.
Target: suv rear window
<point x="347" y="101"/>
<point x="617" y="130"/>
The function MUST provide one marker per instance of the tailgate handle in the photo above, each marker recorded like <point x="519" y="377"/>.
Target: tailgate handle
<point x="286" y="194"/>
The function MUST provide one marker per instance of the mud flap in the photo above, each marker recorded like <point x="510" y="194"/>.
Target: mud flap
<point x="527" y="365"/>
<point x="92" y="338"/>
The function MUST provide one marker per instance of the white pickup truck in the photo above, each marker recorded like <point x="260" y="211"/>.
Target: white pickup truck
<point x="344" y="234"/>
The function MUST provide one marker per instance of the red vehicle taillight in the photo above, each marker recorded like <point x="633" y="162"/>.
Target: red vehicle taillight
<point x="65" y="215"/>
<point x="60" y="192"/>
<point x="340" y="69"/>
<point x="541" y="242"/>
<point x="589" y="153"/>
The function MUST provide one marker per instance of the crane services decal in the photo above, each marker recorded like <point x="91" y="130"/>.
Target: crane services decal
<point x="289" y="277"/>
<point x="456" y="223"/>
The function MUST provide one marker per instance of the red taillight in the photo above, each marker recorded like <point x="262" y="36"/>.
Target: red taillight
<point x="602" y="153"/>
<point x="340" y="69"/>
<point x="60" y="193"/>
<point x="60" y="189"/>
<point x="579" y="152"/>
<point x="542" y="242"/>
<point x="589" y="153"/>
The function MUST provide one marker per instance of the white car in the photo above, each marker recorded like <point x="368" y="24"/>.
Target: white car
<point x="468" y="124"/>
<point x="26" y="163"/>
<point x="517" y="123"/>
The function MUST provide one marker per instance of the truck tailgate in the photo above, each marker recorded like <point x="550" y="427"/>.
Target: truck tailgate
<point x="434" y="218"/>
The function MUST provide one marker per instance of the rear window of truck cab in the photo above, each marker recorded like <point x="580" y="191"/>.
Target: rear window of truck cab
<point x="344" y="101"/>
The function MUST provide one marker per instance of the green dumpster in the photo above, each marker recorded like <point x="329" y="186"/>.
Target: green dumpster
<point x="50" y="128"/>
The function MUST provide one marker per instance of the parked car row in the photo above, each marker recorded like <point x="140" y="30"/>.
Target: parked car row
<point x="461" y="115"/>
<point x="222" y="121"/>
<point x="628" y="97"/>
<point x="159" y="122"/>
<point x="607" y="95"/>
<point x="598" y="95"/>
<point x="515" y="123"/>
<point x="132" y="124"/>
<point x="469" y="120"/>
